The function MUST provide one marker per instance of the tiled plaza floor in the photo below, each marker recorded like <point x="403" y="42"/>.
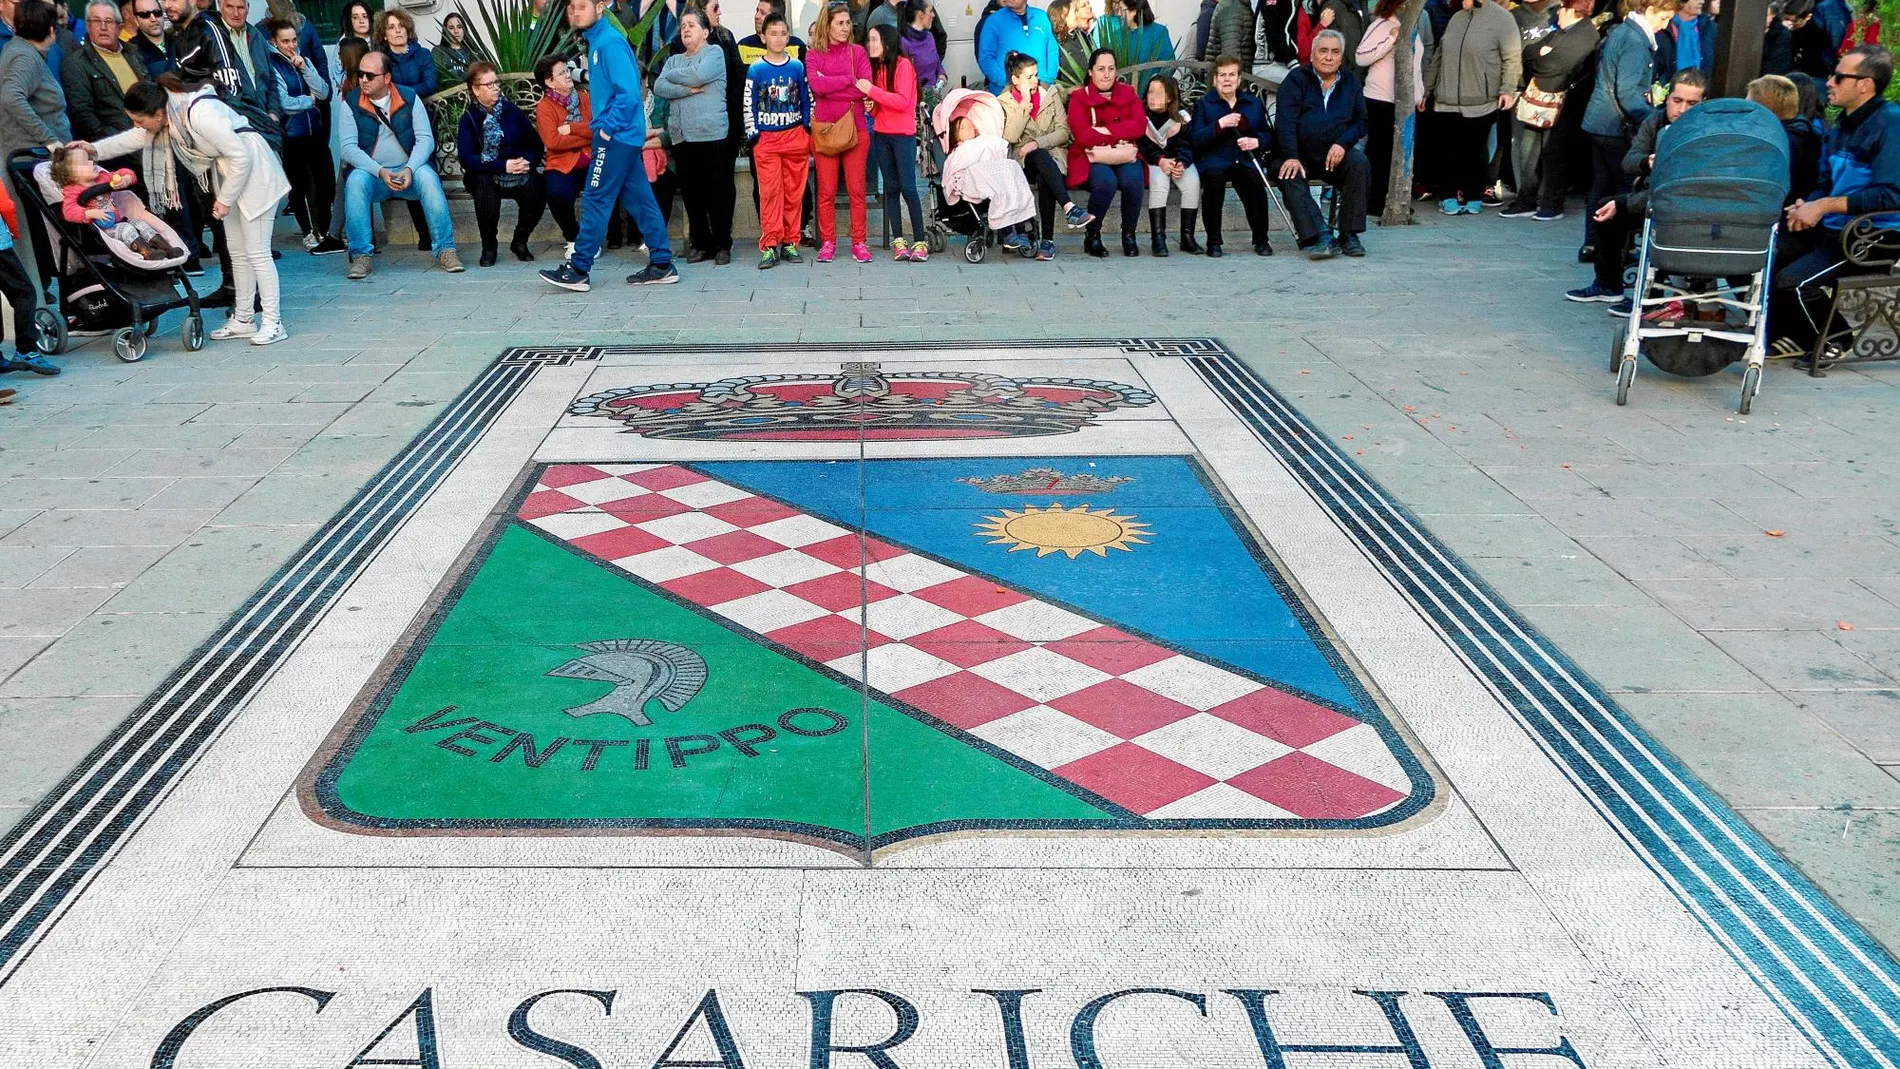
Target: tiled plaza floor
<point x="1733" y="582"/>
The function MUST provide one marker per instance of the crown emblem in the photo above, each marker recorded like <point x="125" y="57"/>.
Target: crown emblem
<point x="862" y="402"/>
<point x="1040" y="481"/>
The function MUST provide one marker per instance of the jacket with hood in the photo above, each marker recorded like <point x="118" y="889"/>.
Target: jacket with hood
<point x="1479" y="59"/>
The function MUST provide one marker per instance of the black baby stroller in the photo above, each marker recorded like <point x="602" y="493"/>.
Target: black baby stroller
<point x="1706" y="257"/>
<point x="103" y="285"/>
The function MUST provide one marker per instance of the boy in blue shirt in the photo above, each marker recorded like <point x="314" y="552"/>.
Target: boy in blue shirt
<point x="778" y="123"/>
<point x="618" y="171"/>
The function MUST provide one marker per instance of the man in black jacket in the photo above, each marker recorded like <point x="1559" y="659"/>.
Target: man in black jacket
<point x="1320" y="118"/>
<point x="97" y="75"/>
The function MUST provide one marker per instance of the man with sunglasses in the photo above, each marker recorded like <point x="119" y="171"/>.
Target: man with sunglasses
<point x="148" y="36"/>
<point x="388" y="147"/>
<point x="1860" y="174"/>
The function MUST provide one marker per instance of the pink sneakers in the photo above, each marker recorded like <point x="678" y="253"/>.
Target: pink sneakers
<point x="826" y="250"/>
<point x="861" y="252"/>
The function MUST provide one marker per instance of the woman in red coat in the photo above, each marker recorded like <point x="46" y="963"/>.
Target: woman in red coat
<point x="1107" y="119"/>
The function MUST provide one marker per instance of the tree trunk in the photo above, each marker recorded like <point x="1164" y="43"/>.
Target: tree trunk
<point x="1398" y="189"/>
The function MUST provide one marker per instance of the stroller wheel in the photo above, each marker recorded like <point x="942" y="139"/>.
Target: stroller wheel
<point x="974" y="250"/>
<point x="194" y="332"/>
<point x="128" y="344"/>
<point x="52" y="331"/>
<point x="938" y="243"/>
<point x="1624" y="376"/>
<point x="1751" y="385"/>
<point x="1616" y="347"/>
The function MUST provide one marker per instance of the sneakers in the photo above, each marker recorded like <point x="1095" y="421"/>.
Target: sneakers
<point x="1668" y="313"/>
<point x="1543" y="216"/>
<point x="826" y="250"/>
<point x="1473" y="207"/>
<point x="861" y="252"/>
<point x="1352" y="246"/>
<point x="654" y="275"/>
<point x="567" y="278"/>
<point x="1017" y="243"/>
<point x="900" y="249"/>
<point x="1045" y="250"/>
<point x="33" y="362"/>
<point x="768" y="257"/>
<point x="1449" y="206"/>
<point x="235" y="327"/>
<point x="1518" y="211"/>
<point x="450" y="262"/>
<point x="1593" y="294"/>
<point x="789" y="253"/>
<point x="1621" y="309"/>
<point x="360" y="267"/>
<point x="1077" y="217"/>
<point x="327" y="245"/>
<point x="269" y="333"/>
<point x="1325" y="248"/>
<point x="1493" y="195"/>
<point x="919" y="251"/>
<point x="310" y="242"/>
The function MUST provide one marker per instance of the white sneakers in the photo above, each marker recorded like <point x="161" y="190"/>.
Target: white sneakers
<point x="268" y="332"/>
<point x="235" y="327"/>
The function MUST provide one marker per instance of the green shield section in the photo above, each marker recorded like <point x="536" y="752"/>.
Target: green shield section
<point x="476" y="733"/>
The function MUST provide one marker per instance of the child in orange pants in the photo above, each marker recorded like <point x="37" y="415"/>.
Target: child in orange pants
<point x="778" y="120"/>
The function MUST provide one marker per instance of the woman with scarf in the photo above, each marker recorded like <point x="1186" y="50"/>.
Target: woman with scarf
<point x="453" y="54"/>
<point x="500" y="154"/>
<point x="560" y="117"/>
<point x="186" y="122"/>
<point x="1106" y="119"/>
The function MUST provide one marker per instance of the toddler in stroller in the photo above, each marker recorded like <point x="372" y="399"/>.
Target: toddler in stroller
<point x="91" y="193"/>
<point x="981" y="191"/>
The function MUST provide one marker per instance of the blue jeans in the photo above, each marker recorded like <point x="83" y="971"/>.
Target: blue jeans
<point x="895" y="157"/>
<point x="1130" y="178"/>
<point x="364" y="190"/>
<point x="619" y="174"/>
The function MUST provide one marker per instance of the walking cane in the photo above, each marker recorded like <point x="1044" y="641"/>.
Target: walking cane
<point x="1273" y="194"/>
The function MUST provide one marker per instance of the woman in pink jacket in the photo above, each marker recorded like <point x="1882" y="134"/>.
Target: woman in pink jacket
<point x="837" y="71"/>
<point x="892" y="88"/>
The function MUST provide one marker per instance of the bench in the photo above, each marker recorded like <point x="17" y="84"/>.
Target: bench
<point x="1863" y="319"/>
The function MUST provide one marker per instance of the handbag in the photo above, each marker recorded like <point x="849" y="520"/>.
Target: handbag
<point x="1538" y="110"/>
<point x="1112" y="155"/>
<point x="834" y="138"/>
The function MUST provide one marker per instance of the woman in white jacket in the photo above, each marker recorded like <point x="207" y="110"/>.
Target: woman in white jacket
<point x="247" y="185"/>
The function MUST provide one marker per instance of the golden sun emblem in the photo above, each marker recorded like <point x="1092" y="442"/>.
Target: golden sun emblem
<point x="1059" y="530"/>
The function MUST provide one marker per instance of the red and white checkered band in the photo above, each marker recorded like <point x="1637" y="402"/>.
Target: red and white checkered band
<point x="1164" y="734"/>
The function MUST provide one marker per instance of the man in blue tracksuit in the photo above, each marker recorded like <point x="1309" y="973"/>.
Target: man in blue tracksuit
<point x="1017" y="27"/>
<point x="618" y="171"/>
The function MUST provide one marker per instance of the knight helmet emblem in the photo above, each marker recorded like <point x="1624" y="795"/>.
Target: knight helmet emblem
<point x="640" y="669"/>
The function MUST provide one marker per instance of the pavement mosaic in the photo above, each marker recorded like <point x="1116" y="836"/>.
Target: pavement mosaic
<point x="1014" y="702"/>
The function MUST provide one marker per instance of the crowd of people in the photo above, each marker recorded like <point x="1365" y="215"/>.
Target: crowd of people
<point x="206" y="122"/>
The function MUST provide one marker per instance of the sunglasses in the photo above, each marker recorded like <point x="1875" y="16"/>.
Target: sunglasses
<point x="1842" y="76"/>
<point x="147" y="14"/>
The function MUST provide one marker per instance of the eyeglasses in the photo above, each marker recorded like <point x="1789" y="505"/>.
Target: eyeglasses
<point x="490" y="84"/>
<point x="147" y="14"/>
<point x="1842" y="76"/>
<point x="102" y="21"/>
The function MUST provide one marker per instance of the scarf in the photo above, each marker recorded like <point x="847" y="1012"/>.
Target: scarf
<point x="171" y="145"/>
<point x="571" y="104"/>
<point x="491" y="136"/>
<point x="1168" y="127"/>
<point x="1688" y="44"/>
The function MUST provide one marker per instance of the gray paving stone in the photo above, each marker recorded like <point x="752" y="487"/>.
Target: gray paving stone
<point x="290" y="499"/>
<point x="1868" y="719"/>
<point x="1641" y="649"/>
<point x="20" y="565"/>
<point x="202" y="462"/>
<point x="1802" y="660"/>
<point x="16" y="651"/>
<point x="1852" y="854"/>
<point x="198" y="493"/>
<point x="144" y="527"/>
<point x="1769" y="604"/>
<point x="216" y="566"/>
<point x="46" y="737"/>
<point x="99" y="566"/>
<point x="1514" y="536"/>
<point x="1763" y="750"/>
<point x="123" y="655"/>
<point x="46" y="612"/>
<point x="80" y="493"/>
<point x="1557" y="580"/>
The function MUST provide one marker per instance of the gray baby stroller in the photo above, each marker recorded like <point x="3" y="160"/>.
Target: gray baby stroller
<point x="1707" y="251"/>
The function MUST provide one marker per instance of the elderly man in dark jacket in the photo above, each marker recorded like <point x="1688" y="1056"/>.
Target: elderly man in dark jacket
<point x="1320" y="119"/>
<point x="98" y="74"/>
<point x="1860" y="174"/>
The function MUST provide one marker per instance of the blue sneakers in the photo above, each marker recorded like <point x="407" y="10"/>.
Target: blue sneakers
<point x="1450" y="206"/>
<point x="1593" y="294"/>
<point x="1016" y="242"/>
<point x="33" y="362"/>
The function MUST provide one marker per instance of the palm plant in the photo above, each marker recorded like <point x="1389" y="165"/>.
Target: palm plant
<point x="1113" y="34"/>
<point x="507" y="34"/>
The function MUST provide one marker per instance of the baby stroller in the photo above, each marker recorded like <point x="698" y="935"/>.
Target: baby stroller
<point x="970" y="219"/>
<point x="103" y="285"/>
<point x="1708" y="246"/>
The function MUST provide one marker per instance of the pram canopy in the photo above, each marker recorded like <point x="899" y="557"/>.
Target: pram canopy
<point x="1716" y="191"/>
